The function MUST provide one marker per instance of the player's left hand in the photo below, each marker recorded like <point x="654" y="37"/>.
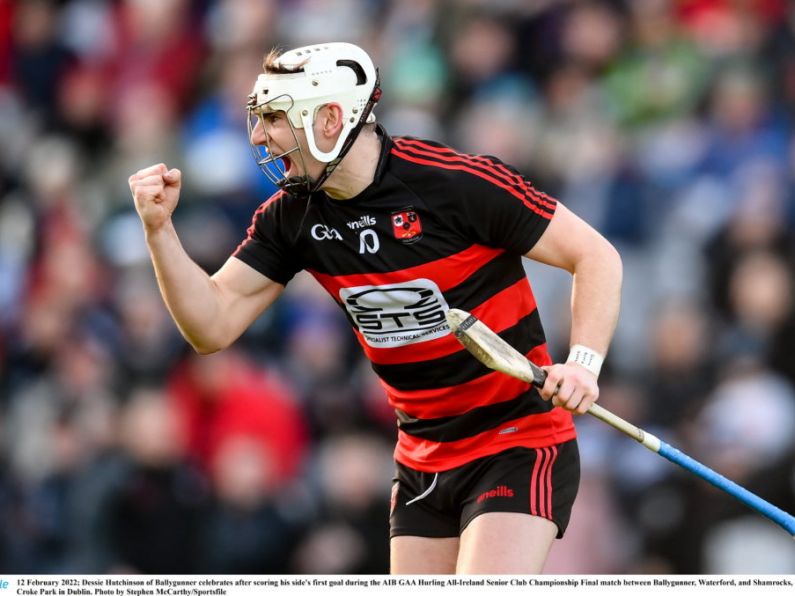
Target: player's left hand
<point x="570" y="386"/>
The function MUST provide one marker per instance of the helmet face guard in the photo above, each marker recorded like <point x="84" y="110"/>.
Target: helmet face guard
<point x="313" y="76"/>
<point x="273" y="164"/>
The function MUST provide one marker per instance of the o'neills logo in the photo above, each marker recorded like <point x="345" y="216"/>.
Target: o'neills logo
<point x="500" y="491"/>
<point x="363" y="222"/>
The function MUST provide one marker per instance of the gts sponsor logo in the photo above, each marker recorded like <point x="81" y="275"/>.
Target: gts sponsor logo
<point x="414" y="308"/>
<point x="397" y="314"/>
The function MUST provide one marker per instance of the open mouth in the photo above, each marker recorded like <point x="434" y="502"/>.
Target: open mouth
<point x="286" y="163"/>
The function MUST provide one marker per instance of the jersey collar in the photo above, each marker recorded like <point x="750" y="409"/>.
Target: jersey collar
<point x="383" y="158"/>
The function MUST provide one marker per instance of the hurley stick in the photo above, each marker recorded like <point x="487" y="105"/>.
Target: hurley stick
<point x="497" y="354"/>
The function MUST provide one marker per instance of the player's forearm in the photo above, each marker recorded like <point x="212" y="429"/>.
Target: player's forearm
<point x="189" y="293"/>
<point x="596" y="298"/>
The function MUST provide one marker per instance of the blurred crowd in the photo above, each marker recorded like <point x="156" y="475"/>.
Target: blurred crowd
<point x="667" y="124"/>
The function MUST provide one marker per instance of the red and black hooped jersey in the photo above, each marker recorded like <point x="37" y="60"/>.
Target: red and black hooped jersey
<point x="436" y="229"/>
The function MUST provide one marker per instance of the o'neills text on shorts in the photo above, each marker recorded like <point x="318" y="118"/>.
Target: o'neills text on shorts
<point x="500" y="491"/>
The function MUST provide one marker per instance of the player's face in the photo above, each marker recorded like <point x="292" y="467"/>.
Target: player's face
<point x="274" y="132"/>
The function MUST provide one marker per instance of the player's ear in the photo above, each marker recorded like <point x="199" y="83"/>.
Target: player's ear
<point x="330" y="119"/>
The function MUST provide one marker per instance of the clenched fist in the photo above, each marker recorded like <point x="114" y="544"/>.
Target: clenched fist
<point x="156" y="192"/>
<point x="571" y="387"/>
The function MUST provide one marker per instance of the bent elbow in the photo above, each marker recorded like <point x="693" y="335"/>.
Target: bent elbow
<point x="615" y="257"/>
<point x="613" y="265"/>
<point x="206" y="346"/>
<point x="205" y="350"/>
<point x="603" y="260"/>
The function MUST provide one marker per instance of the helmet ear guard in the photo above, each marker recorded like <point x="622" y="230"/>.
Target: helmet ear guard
<point x="313" y="76"/>
<point x="324" y="156"/>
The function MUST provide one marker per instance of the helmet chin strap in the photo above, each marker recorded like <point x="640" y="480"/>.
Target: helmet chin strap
<point x="346" y="146"/>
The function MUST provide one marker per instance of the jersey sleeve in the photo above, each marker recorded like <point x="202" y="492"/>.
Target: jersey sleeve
<point x="499" y="207"/>
<point x="266" y="247"/>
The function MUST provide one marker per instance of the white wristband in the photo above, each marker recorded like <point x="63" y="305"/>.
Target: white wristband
<point x="586" y="357"/>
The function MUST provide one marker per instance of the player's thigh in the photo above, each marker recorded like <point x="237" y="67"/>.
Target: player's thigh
<point x="419" y="555"/>
<point x="423" y="527"/>
<point x="505" y="542"/>
<point x="520" y="503"/>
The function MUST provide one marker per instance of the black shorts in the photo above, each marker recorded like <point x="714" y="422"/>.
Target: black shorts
<point x="541" y="482"/>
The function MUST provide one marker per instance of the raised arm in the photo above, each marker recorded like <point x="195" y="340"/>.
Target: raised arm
<point x="210" y="312"/>
<point x="571" y="244"/>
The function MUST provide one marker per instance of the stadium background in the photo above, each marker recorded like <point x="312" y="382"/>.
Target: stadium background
<point x="667" y="125"/>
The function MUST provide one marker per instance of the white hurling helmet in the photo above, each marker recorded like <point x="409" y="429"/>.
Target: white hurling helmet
<point x="314" y="75"/>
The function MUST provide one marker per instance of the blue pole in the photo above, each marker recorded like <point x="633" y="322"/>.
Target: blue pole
<point x="773" y="513"/>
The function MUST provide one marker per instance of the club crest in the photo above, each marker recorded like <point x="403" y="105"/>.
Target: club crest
<point x="406" y="225"/>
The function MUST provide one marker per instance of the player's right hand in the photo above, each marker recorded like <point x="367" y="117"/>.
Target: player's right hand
<point x="155" y="191"/>
<point x="570" y="386"/>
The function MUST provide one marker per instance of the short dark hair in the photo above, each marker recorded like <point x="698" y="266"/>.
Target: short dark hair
<point x="271" y="64"/>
